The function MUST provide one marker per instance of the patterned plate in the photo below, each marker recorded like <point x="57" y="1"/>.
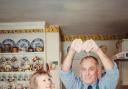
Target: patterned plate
<point x="23" y="43"/>
<point x="8" y="41"/>
<point x="37" y="43"/>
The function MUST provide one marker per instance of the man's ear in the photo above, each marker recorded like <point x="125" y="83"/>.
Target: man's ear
<point x="99" y="72"/>
<point x="80" y="74"/>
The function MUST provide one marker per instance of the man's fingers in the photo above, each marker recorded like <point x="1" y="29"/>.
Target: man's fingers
<point x="76" y="45"/>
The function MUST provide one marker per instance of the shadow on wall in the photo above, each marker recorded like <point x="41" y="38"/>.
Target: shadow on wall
<point x="119" y="26"/>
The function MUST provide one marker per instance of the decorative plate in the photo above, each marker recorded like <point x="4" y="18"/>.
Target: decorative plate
<point x="23" y="43"/>
<point x="8" y="41"/>
<point x="37" y="43"/>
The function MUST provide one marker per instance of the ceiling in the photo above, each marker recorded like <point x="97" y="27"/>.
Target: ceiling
<point x="74" y="16"/>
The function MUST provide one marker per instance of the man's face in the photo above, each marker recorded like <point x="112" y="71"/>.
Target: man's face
<point x="89" y="71"/>
<point x="44" y="82"/>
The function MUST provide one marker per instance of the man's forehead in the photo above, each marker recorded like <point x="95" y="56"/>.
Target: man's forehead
<point x="90" y="60"/>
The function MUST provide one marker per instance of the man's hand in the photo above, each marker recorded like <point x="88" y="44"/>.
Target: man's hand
<point x="89" y="46"/>
<point x="77" y="45"/>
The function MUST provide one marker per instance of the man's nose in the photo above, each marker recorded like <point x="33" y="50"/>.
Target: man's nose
<point x="87" y="72"/>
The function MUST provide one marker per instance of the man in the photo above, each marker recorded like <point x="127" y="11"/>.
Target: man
<point x="90" y="69"/>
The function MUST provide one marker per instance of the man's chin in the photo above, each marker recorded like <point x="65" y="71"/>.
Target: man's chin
<point x="88" y="82"/>
<point x="48" y="88"/>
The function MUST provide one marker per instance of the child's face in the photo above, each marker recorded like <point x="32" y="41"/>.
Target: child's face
<point x="44" y="82"/>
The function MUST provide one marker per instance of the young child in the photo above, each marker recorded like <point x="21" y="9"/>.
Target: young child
<point x="40" y="80"/>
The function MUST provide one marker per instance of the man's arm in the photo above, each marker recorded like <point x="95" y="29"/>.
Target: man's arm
<point x="106" y="61"/>
<point x="75" y="47"/>
<point x="67" y="63"/>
